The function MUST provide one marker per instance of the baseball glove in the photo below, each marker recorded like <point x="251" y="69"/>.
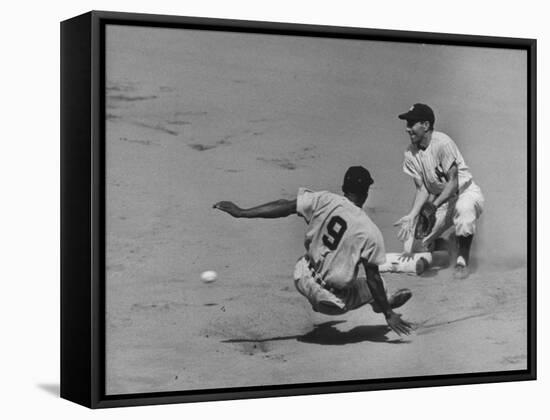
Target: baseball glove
<point x="426" y="220"/>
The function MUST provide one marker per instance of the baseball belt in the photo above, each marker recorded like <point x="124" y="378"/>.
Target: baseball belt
<point x="318" y="279"/>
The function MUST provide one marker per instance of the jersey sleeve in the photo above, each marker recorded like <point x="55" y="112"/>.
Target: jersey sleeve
<point x="374" y="251"/>
<point x="306" y="203"/>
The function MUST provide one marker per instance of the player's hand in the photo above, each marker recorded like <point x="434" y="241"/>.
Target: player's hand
<point x="229" y="207"/>
<point x="405" y="256"/>
<point x="406" y="225"/>
<point x="397" y="324"/>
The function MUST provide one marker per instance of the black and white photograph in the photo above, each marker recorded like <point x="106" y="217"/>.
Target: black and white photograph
<point x="276" y="203"/>
<point x="269" y="210"/>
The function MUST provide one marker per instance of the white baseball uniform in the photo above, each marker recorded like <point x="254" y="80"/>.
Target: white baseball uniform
<point x="431" y="167"/>
<point x="339" y="236"/>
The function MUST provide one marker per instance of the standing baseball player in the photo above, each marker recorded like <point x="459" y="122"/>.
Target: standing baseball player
<point x="444" y="185"/>
<point x="339" y="239"/>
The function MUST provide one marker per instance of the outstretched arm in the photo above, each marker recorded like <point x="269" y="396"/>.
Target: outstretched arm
<point x="376" y="287"/>
<point x="407" y="222"/>
<point x="271" y="210"/>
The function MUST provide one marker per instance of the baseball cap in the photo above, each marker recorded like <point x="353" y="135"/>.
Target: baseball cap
<point x="357" y="179"/>
<point x="418" y="112"/>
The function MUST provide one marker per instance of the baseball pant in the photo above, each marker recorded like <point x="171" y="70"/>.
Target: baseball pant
<point x="330" y="301"/>
<point x="461" y="212"/>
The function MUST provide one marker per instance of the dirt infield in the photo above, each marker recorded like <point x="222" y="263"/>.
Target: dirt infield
<point x="212" y="117"/>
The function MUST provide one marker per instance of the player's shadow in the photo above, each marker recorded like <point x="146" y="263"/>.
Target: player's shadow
<point x="327" y="334"/>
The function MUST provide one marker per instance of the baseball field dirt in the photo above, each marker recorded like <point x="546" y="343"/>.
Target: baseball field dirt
<point x="198" y="117"/>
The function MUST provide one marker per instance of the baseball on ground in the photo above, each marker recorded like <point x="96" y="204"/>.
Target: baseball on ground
<point x="209" y="276"/>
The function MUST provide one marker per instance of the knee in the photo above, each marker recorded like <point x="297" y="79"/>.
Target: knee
<point x="465" y="219"/>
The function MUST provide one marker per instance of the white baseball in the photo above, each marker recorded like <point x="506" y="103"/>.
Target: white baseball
<point x="209" y="276"/>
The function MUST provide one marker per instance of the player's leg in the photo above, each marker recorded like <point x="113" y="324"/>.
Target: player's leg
<point x="467" y="210"/>
<point x="359" y="295"/>
<point x="321" y="299"/>
<point x="416" y="262"/>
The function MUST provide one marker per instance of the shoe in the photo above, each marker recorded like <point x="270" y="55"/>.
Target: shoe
<point x="399" y="298"/>
<point x="396" y="300"/>
<point x="421" y="266"/>
<point x="461" y="272"/>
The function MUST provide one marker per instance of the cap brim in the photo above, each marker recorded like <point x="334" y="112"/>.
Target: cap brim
<point x="404" y="116"/>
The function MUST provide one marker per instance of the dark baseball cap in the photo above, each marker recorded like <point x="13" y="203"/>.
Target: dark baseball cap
<point x="357" y="179"/>
<point x="418" y="112"/>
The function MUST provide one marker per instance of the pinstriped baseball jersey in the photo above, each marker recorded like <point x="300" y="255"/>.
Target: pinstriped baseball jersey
<point x="339" y="235"/>
<point x="432" y="165"/>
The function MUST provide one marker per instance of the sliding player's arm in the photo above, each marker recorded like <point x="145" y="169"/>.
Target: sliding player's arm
<point x="271" y="210"/>
<point x="376" y="287"/>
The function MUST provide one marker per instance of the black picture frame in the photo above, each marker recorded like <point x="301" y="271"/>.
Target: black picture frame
<point x="83" y="203"/>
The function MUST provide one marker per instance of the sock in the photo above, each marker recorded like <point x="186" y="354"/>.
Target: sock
<point x="464" y="244"/>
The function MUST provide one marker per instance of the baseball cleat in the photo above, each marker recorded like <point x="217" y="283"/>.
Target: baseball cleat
<point x="399" y="298"/>
<point x="421" y="266"/>
<point x="461" y="272"/>
<point x="396" y="300"/>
